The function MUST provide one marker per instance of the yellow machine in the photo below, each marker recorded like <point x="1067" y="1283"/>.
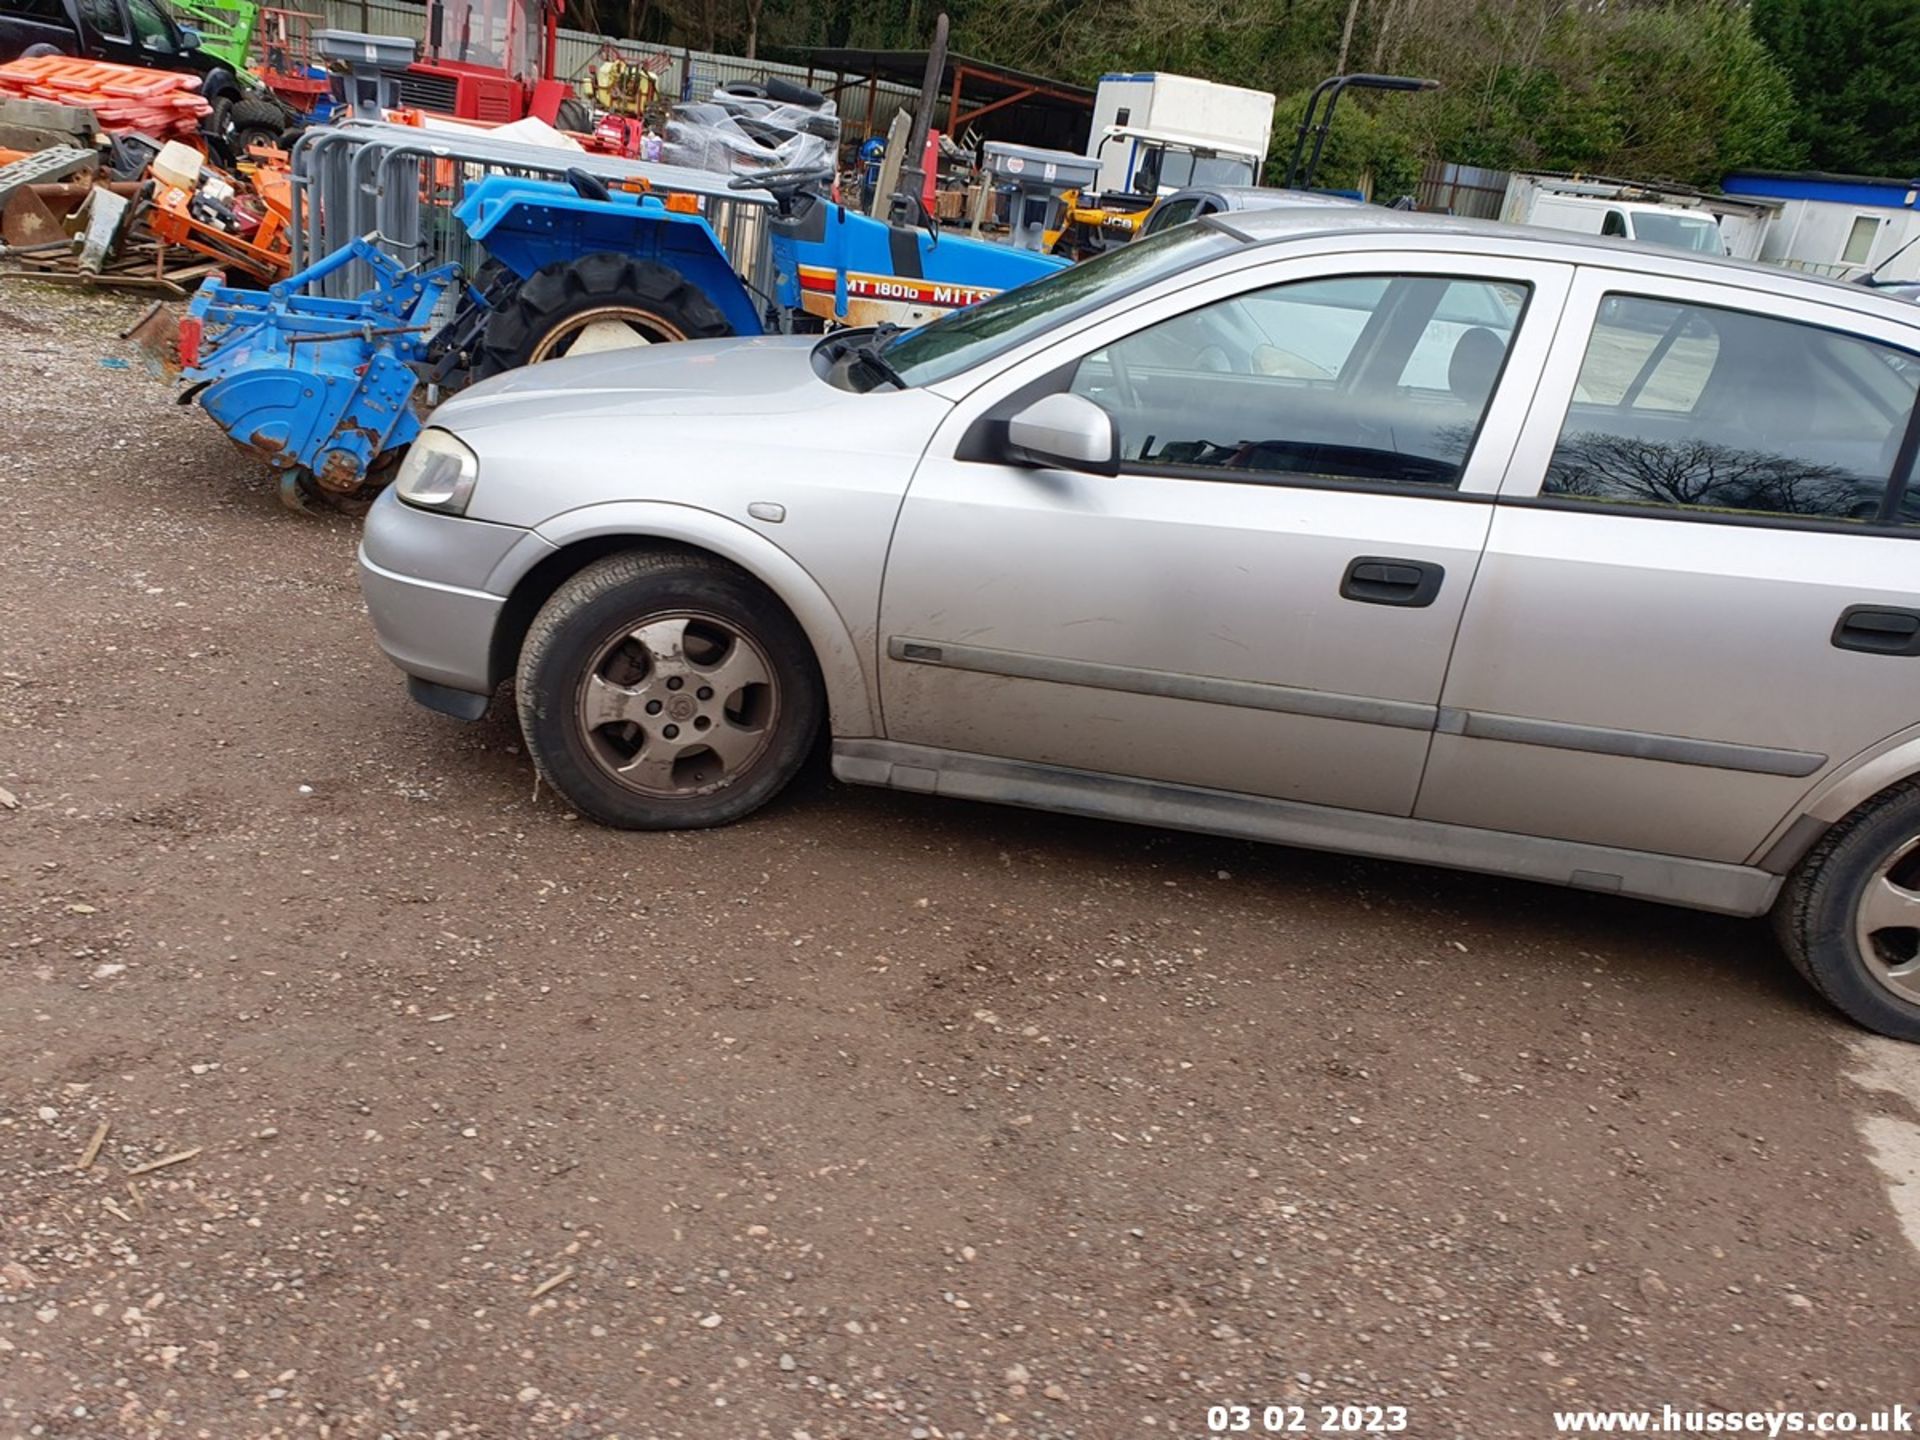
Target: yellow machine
<point x="1091" y="223"/>
<point x="621" y="86"/>
<point x="1088" y="229"/>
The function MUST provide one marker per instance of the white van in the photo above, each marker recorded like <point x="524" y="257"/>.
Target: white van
<point x="1678" y="229"/>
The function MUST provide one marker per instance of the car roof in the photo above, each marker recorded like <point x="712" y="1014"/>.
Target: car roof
<point x="1370" y="223"/>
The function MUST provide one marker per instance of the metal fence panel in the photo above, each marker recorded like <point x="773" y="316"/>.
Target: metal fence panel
<point x="401" y="184"/>
<point x="1463" y="190"/>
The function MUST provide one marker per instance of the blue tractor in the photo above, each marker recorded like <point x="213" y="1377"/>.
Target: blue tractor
<point x="324" y="389"/>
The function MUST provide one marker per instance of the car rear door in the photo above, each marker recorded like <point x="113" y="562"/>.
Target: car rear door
<point x="1264" y="599"/>
<point x="1701" y="590"/>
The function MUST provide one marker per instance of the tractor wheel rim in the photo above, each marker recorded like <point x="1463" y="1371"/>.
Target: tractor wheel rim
<point x="605" y="327"/>
<point x="1886" y="923"/>
<point x="677" y="704"/>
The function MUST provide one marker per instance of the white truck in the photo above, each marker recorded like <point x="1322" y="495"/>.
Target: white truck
<point x="1155" y="133"/>
<point x="1669" y="225"/>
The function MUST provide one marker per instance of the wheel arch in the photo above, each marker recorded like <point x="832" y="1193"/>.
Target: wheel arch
<point x="528" y="576"/>
<point x="219" y="82"/>
<point x="1867" y="775"/>
<point x="529" y="224"/>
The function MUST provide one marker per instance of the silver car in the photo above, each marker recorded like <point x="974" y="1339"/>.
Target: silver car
<point x="1345" y="528"/>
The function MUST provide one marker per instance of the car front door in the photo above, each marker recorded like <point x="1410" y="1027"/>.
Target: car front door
<point x="1701" y="591"/>
<point x="1263" y="600"/>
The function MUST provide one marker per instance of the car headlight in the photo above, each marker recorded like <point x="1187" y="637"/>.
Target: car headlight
<point x="438" y="473"/>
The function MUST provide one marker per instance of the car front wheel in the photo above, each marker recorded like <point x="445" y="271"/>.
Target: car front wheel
<point x="666" y="691"/>
<point x="1849" y="916"/>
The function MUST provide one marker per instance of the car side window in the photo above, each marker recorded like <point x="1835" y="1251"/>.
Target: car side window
<point x="150" y="25"/>
<point x="1614" y="224"/>
<point x="1373" y="378"/>
<point x="1711" y="410"/>
<point x="104" y="17"/>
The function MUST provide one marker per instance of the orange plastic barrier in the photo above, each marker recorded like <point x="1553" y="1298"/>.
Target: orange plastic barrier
<point x="161" y="103"/>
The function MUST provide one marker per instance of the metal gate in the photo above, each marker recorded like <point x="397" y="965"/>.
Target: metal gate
<point x="399" y="186"/>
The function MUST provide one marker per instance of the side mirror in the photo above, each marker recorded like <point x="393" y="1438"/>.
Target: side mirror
<point x="190" y="38"/>
<point x="1065" y="432"/>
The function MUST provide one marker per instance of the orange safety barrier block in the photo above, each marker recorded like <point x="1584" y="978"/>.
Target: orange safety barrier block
<point x="122" y="97"/>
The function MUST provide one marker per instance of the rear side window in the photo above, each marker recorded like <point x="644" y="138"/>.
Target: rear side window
<point x="1704" y="409"/>
<point x="43" y="10"/>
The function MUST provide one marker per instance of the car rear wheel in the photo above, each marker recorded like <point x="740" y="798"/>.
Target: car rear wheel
<point x="1849" y="916"/>
<point x="598" y="302"/>
<point x="666" y="691"/>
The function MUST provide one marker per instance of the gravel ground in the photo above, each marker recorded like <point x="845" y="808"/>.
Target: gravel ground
<point x="436" y="1112"/>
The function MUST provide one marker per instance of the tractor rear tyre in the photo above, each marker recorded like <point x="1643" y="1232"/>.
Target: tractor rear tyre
<point x="598" y="302"/>
<point x="574" y="116"/>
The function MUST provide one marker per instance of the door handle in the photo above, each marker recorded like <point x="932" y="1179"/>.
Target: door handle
<point x="1878" y="630"/>
<point x="1378" y="580"/>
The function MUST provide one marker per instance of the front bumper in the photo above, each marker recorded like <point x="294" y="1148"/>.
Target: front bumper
<point x="426" y="578"/>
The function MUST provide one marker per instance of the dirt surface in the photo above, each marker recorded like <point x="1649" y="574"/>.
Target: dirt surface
<point x="877" y="1115"/>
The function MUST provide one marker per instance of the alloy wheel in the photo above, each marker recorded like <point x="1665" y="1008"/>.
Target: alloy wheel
<point x="1887" y="922"/>
<point x="678" y="704"/>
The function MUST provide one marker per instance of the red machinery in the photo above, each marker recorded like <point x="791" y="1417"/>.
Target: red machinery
<point x="283" y="39"/>
<point x="493" y="61"/>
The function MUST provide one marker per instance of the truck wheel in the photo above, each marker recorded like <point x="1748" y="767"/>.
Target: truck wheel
<point x="253" y="121"/>
<point x="34" y="52"/>
<point x="662" y="691"/>
<point x="1849" y="916"/>
<point x="574" y="115"/>
<point x="598" y="302"/>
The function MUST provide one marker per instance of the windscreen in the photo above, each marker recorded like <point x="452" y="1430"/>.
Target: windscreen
<point x="1173" y="168"/>
<point x="497" y="34"/>
<point x="1679" y="232"/>
<point x="968" y="337"/>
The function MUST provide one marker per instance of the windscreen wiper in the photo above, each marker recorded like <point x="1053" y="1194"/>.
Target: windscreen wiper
<point x="870" y="352"/>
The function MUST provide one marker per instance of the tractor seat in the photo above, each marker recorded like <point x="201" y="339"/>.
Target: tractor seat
<point x="587" y="187"/>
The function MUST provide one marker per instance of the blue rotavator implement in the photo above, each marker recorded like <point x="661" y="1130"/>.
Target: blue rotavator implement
<point x="308" y="383"/>
<point x="324" y="388"/>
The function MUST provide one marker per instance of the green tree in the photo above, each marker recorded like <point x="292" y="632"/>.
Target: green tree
<point x="1854" y="66"/>
<point x="1693" y="94"/>
<point x="1669" y="89"/>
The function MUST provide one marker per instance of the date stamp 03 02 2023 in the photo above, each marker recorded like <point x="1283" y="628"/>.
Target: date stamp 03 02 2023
<point x="1306" y="1419"/>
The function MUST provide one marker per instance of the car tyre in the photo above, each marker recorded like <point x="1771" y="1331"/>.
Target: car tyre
<point x="620" y="659"/>
<point x="560" y="305"/>
<point x="1837" y="915"/>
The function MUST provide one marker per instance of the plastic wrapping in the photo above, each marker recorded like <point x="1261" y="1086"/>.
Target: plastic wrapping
<point x="743" y="131"/>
